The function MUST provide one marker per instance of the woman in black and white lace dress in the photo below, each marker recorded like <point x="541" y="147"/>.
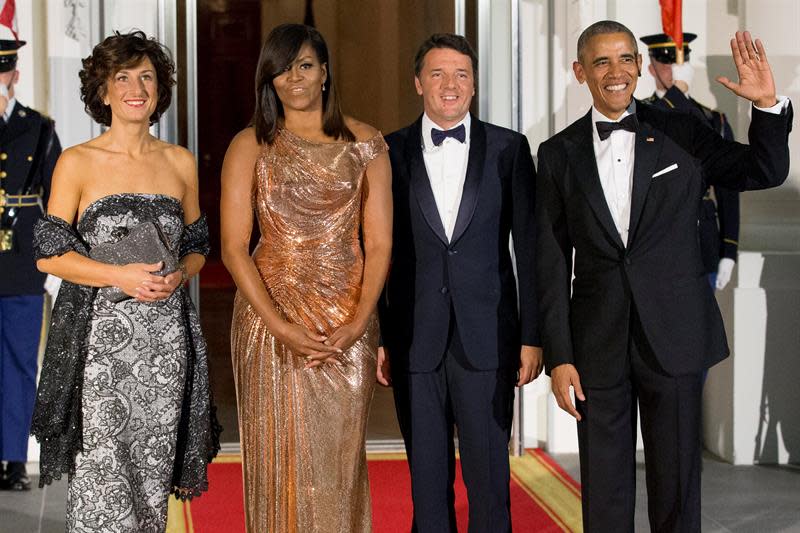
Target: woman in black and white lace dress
<point x="124" y="405"/>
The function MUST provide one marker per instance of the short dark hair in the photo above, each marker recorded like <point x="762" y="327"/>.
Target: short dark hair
<point x="446" y="40"/>
<point x="601" y="28"/>
<point x="118" y="52"/>
<point x="279" y="51"/>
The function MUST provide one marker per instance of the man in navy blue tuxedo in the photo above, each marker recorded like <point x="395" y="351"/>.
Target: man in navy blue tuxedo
<point x="459" y="327"/>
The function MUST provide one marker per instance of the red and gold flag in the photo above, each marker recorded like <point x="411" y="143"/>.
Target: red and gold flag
<point x="672" y="21"/>
<point x="8" y="17"/>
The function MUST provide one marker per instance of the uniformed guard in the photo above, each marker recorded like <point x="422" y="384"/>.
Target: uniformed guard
<point x="29" y="148"/>
<point x="719" y="222"/>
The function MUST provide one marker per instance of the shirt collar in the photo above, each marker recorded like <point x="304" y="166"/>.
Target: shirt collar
<point x="427" y="124"/>
<point x="661" y="93"/>
<point x="10" y="108"/>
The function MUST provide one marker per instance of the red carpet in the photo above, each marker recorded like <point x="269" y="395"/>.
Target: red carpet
<point x="543" y="498"/>
<point x="391" y="502"/>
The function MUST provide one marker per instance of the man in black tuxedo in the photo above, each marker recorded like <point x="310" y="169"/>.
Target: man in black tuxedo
<point x="619" y="188"/>
<point x="451" y="323"/>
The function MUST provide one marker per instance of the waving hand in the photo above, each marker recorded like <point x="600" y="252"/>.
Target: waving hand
<point x="755" y="75"/>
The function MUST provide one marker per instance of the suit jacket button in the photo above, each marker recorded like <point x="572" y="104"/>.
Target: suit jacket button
<point x="452" y="252"/>
<point x="627" y="260"/>
<point x="443" y="290"/>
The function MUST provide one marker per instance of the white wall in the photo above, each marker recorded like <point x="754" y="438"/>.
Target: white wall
<point x="72" y="32"/>
<point x="29" y="81"/>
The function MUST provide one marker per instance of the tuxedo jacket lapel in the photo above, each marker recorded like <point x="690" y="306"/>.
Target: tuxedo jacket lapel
<point x="472" y="181"/>
<point x="419" y="182"/>
<point x="649" y="141"/>
<point x="580" y="151"/>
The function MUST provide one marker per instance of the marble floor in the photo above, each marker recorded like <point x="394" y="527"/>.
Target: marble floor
<point x="746" y="499"/>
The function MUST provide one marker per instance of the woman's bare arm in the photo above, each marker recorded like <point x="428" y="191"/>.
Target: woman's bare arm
<point x="65" y="197"/>
<point x="377" y="235"/>
<point x="238" y="171"/>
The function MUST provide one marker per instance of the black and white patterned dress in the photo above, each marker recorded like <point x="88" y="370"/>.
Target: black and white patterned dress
<point x="134" y="386"/>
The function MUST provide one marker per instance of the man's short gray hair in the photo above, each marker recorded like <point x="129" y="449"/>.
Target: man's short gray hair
<point x="601" y="28"/>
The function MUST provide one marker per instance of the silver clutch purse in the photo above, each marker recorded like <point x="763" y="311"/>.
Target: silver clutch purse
<point x="143" y="243"/>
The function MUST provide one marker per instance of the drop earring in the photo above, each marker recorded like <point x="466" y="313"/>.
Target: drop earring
<point x="323" y="87"/>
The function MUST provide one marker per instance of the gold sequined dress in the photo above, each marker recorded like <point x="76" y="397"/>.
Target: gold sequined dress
<point x="302" y="431"/>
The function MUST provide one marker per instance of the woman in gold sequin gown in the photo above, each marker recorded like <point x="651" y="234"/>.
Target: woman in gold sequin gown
<point x="304" y="334"/>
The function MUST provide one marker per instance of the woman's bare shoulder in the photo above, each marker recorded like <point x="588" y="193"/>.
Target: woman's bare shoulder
<point x="179" y="155"/>
<point x="77" y="156"/>
<point x="245" y="140"/>
<point x="361" y="130"/>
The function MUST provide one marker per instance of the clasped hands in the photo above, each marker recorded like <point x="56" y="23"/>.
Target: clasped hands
<point x="139" y="281"/>
<point x="318" y="349"/>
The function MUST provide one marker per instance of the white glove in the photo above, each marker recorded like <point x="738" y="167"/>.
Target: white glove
<point x="683" y="72"/>
<point x="51" y="285"/>
<point x="724" y="271"/>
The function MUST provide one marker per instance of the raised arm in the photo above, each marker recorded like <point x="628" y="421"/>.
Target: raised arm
<point x="755" y="75"/>
<point x="765" y="162"/>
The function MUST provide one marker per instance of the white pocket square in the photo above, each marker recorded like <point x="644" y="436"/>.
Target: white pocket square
<point x="663" y="171"/>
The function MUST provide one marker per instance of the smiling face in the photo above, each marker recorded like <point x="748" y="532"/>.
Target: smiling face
<point x="299" y="86"/>
<point x="447" y="85"/>
<point x="132" y="93"/>
<point x="610" y="67"/>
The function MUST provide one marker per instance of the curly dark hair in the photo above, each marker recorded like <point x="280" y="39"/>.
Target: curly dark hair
<point x="118" y="52"/>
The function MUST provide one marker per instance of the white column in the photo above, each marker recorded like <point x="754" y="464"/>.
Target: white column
<point x="70" y="34"/>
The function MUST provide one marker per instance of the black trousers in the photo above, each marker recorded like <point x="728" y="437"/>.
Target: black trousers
<point x="480" y="405"/>
<point x="671" y="417"/>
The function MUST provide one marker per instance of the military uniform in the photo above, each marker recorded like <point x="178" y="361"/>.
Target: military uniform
<point x="718" y="226"/>
<point x="29" y="148"/>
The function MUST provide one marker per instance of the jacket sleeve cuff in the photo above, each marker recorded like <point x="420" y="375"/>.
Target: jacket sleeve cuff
<point x="730" y="249"/>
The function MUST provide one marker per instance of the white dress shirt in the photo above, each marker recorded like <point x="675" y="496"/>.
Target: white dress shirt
<point x="614" y="158"/>
<point x="446" y="165"/>
<point x="9" y="108"/>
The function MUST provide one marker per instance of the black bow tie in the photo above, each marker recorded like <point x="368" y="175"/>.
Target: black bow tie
<point x="438" y="136"/>
<point x="628" y="123"/>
